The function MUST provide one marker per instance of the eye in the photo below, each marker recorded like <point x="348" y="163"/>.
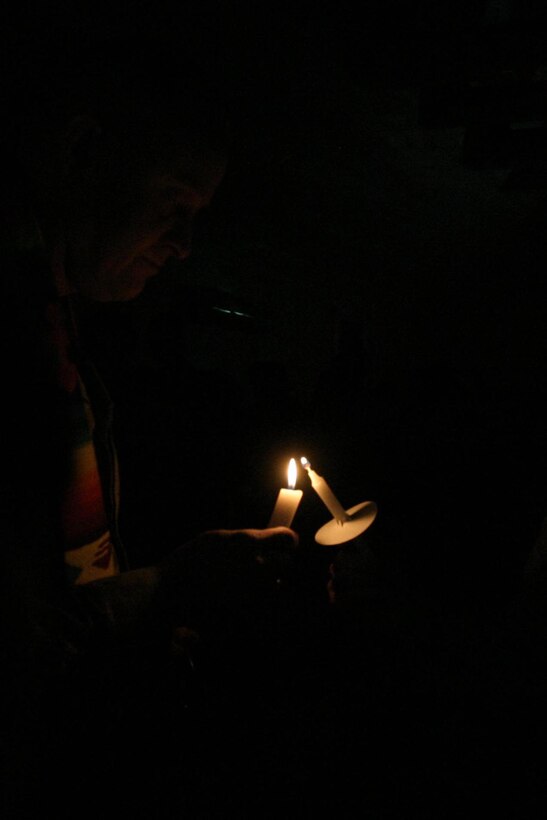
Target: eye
<point x="171" y="194"/>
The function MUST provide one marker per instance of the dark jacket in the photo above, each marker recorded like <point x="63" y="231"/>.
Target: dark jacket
<point x="49" y="627"/>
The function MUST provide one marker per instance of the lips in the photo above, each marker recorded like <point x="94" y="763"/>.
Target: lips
<point x="173" y="249"/>
<point x="152" y="262"/>
<point x="164" y="253"/>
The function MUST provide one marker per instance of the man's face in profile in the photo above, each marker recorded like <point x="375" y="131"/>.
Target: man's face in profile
<point x="138" y="218"/>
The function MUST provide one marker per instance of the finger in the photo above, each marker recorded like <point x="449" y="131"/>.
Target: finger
<point x="282" y="536"/>
<point x="275" y="536"/>
<point x="272" y="552"/>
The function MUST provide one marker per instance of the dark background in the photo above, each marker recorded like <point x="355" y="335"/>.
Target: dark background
<point x="367" y="289"/>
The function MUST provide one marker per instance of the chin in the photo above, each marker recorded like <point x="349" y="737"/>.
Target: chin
<point x="127" y="287"/>
<point x="127" y="296"/>
<point x="113" y="294"/>
<point x="133" y="283"/>
<point x="124" y="294"/>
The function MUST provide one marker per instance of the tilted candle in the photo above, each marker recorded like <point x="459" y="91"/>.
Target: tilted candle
<point x="287" y="502"/>
<point x="325" y="493"/>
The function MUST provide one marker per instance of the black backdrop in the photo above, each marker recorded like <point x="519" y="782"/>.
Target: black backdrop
<point x="367" y="288"/>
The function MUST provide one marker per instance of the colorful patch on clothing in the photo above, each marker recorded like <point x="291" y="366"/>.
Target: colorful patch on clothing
<point x="89" y="551"/>
<point x="91" y="561"/>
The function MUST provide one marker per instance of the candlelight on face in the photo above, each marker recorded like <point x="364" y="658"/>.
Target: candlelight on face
<point x="287" y="501"/>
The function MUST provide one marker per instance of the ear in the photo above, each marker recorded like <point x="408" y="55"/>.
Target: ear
<point x="82" y="143"/>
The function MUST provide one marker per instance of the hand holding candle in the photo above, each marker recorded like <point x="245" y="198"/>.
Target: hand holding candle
<point x="287" y="502"/>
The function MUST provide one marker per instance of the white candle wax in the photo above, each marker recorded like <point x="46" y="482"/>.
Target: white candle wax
<point x="287" y="502"/>
<point x="325" y="493"/>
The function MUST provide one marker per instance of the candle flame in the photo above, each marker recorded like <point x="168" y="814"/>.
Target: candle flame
<point x="292" y="474"/>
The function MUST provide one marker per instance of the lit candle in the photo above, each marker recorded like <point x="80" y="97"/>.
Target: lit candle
<point x="325" y="493"/>
<point x="287" y="501"/>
